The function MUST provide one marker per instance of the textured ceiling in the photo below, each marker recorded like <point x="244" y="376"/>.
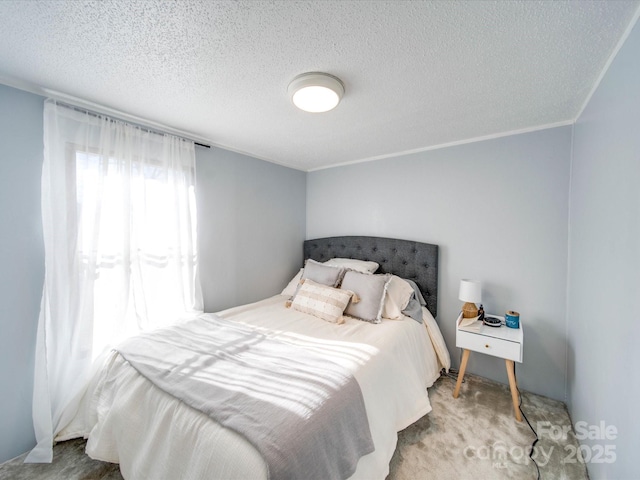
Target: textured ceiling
<point x="416" y="74"/>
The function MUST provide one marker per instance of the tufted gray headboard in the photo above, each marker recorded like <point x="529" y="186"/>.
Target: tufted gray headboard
<point x="404" y="258"/>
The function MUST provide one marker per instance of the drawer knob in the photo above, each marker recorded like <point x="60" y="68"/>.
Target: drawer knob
<point x="486" y="346"/>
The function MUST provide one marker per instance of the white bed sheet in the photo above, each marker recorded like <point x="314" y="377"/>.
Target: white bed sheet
<point x="152" y="435"/>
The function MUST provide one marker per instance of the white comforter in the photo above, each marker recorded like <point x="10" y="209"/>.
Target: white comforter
<point x="152" y="435"/>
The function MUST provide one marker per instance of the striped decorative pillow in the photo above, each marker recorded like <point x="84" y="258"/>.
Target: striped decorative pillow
<point x="321" y="301"/>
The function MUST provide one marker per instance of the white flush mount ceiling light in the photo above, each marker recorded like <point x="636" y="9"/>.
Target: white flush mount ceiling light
<point x="316" y="92"/>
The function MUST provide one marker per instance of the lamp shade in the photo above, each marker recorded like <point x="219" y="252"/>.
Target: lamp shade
<point x="470" y="291"/>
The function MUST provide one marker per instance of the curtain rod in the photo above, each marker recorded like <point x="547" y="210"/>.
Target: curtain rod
<point x="141" y="127"/>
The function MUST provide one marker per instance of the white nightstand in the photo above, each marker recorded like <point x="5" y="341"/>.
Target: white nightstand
<point x="502" y="342"/>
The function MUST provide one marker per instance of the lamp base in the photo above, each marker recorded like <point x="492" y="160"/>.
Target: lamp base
<point x="469" y="310"/>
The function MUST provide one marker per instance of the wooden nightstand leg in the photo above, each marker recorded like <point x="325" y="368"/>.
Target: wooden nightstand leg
<point x="514" y="388"/>
<point x="463" y="367"/>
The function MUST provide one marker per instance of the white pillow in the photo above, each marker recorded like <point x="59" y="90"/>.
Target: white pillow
<point x="398" y="295"/>
<point x="290" y="289"/>
<point x="353" y="264"/>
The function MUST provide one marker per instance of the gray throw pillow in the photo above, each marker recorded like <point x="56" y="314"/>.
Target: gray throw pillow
<point x="323" y="274"/>
<point x="416" y="302"/>
<point x="370" y="290"/>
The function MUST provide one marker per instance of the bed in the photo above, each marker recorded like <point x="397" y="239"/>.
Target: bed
<point x="129" y="420"/>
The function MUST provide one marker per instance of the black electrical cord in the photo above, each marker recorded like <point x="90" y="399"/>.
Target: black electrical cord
<point x="453" y="373"/>
<point x="528" y="423"/>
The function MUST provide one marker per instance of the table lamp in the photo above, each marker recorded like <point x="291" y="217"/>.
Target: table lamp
<point x="470" y="293"/>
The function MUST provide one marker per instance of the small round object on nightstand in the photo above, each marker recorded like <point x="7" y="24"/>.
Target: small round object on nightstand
<point x="492" y="321"/>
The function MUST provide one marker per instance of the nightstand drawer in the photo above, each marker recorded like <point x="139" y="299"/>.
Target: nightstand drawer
<point x="491" y="346"/>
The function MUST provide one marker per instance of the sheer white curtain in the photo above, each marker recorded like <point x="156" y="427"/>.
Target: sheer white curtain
<point x="119" y="221"/>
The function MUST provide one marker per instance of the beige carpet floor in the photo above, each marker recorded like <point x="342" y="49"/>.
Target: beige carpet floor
<point x="476" y="436"/>
<point x="472" y="437"/>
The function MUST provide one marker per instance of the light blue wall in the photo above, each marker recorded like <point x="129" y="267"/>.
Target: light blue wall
<point x="251" y="225"/>
<point x="21" y="263"/>
<point x="604" y="268"/>
<point x="499" y="211"/>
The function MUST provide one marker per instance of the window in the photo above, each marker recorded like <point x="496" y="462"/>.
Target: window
<point x="127" y="241"/>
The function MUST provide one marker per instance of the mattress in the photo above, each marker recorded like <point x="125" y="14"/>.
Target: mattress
<point x="152" y="435"/>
